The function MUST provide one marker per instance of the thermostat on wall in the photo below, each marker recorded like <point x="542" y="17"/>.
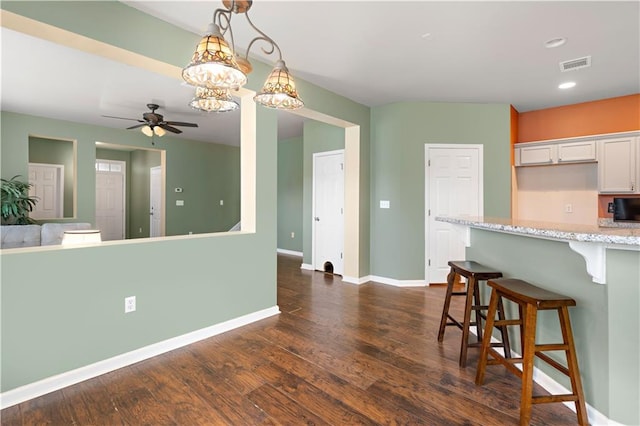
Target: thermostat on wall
<point x="178" y="189"/>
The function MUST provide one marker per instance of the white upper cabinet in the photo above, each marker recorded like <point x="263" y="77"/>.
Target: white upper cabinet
<point x="618" y="165"/>
<point x="533" y="154"/>
<point x="577" y="152"/>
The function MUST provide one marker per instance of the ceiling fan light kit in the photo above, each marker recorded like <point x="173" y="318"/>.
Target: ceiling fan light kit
<point x="216" y="65"/>
<point x="153" y="123"/>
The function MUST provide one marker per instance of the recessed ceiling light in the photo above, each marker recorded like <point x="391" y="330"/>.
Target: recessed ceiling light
<point x="555" y="42"/>
<point x="567" y="85"/>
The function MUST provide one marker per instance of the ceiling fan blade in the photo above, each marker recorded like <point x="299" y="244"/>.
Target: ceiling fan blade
<point x="180" y="123"/>
<point x="122" y="118"/>
<point x="169" y="128"/>
<point x="136" y="126"/>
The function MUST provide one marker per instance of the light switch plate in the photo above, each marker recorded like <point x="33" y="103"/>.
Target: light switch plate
<point x="179" y="202"/>
<point x="385" y="204"/>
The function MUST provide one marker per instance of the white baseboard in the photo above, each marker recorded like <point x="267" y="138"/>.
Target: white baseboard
<point x="290" y="252"/>
<point x="555" y="388"/>
<point x="307" y="267"/>
<point x="398" y="283"/>
<point x="356" y="280"/>
<point x="59" y="381"/>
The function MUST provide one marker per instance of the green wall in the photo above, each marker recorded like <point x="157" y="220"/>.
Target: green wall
<point x="53" y="151"/>
<point x="208" y="173"/>
<point x="71" y="324"/>
<point x="318" y="137"/>
<point x="605" y="321"/>
<point x="290" y="194"/>
<point x="141" y="163"/>
<point x="398" y="137"/>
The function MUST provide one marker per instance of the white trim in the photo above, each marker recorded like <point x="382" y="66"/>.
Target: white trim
<point x="307" y="267"/>
<point x="68" y="378"/>
<point x="290" y="252"/>
<point x="398" y="283"/>
<point x="355" y="280"/>
<point x="313" y="202"/>
<point x="596" y="137"/>
<point x="427" y="147"/>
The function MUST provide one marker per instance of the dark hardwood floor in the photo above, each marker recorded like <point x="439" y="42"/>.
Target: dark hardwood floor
<point x="338" y="354"/>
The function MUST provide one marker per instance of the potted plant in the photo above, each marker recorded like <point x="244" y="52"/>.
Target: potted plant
<point x="16" y="202"/>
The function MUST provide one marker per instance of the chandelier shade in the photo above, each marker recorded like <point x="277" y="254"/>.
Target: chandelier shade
<point x="216" y="65"/>
<point x="279" y="91"/>
<point x="213" y="100"/>
<point x="213" y="63"/>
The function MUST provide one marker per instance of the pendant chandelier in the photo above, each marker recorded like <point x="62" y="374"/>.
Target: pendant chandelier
<point x="215" y="67"/>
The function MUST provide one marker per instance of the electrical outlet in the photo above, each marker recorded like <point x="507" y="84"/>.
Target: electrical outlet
<point x="568" y="208"/>
<point x="610" y="208"/>
<point x="129" y="304"/>
<point x="222" y="202"/>
<point x="293" y="235"/>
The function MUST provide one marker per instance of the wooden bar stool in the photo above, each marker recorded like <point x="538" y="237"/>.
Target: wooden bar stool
<point x="530" y="300"/>
<point x="473" y="272"/>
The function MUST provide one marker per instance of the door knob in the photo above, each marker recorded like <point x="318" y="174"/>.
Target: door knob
<point x="317" y="219"/>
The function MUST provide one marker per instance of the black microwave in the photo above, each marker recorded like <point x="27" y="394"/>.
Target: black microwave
<point x="626" y="209"/>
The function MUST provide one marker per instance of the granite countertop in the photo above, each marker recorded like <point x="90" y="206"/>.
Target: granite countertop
<point x="551" y="230"/>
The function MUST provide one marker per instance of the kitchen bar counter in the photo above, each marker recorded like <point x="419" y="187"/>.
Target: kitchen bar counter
<point x="557" y="231"/>
<point x="606" y="319"/>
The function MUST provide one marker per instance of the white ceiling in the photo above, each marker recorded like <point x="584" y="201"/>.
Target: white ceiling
<point x="372" y="52"/>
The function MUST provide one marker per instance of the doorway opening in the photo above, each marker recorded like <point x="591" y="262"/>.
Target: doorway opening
<point x="328" y="211"/>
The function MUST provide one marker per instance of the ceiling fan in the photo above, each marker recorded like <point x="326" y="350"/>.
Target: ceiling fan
<point x="154" y="123"/>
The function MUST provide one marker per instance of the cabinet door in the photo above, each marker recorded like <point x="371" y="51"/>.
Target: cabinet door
<point x="545" y="154"/>
<point x="576" y="152"/>
<point x="617" y="165"/>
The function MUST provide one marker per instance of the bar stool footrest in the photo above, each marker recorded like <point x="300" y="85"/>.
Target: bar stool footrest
<point x="547" y="399"/>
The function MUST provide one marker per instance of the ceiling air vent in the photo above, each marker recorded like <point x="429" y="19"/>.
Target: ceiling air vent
<point x="575" y="64"/>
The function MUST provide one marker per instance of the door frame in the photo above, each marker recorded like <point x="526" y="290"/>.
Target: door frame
<point x="123" y="165"/>
<point x="59" y="187"/>
<point x="313" y="203"/>
<point x="427" y="199"/>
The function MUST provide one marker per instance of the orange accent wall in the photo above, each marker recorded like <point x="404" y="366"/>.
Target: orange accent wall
<point x="611" y="115"/>
<point x="514" y="130"/>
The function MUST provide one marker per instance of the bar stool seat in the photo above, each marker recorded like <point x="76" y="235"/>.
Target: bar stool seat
<point x="473" y="272"/>
<point x="530" y="300"/>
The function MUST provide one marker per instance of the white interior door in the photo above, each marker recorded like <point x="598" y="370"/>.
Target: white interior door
<point x="155" y="202"/>
<point x="110" y="201"/>
<point x="454" y="188"/>
<point x="328" y="210"/>
<point x="47" y="183"/>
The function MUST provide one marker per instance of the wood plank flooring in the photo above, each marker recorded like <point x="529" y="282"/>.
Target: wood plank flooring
<point x="338" y="354"/>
